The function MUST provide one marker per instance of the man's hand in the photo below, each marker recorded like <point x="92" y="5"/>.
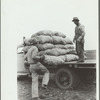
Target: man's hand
<point x="79" y="39"/>
<point x="26" y="64"/>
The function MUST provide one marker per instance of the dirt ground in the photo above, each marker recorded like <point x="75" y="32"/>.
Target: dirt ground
<point x="86" y="91"/>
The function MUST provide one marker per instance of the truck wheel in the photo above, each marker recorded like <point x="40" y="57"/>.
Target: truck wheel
<point x="65" y="78"/>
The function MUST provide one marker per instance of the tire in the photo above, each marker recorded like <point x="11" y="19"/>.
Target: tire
<point x="65" y="78"/>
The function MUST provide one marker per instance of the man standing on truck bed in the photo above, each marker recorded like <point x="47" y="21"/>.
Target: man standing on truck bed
<point x="79" y="39"/>
<point x="36" y="68"/>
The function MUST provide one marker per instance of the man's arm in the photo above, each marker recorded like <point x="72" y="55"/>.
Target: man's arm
<point x="25" y="56"/>
<point x="74" y="39"/>
<point x="34" y="53"/>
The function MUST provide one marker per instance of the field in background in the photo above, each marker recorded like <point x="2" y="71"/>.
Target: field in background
<point x="86" y="91"/>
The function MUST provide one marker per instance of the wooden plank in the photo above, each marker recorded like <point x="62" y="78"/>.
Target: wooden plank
<point x="85" y="62"/>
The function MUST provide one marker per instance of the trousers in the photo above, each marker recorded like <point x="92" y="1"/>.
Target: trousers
<point x="80" y="50"/>
<point x="37" y="69"/>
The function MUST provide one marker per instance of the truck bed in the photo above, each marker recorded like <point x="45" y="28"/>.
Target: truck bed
<point x="88" y="61"/>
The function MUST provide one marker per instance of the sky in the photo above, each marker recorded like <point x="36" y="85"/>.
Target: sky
<point x="25" y="17"/>
<point x="30" y="16"/>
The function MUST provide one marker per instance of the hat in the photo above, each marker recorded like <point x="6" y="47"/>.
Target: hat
<point x="33" y="40"/>
<point x="75" y="19"/>
<point x="26" y="41"/>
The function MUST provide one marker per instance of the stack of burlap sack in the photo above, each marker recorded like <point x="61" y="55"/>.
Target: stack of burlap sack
<point x="55" y="47"/>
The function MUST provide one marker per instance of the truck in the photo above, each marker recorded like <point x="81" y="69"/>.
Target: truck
<point x="69" y="74"/>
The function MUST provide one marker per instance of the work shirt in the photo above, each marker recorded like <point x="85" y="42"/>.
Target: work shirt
<point x="32" y="53"/>
<point x="79" y="32"/>
<point x="25" y="50"/>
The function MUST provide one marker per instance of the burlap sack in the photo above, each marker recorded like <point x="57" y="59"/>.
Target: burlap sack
<point x="63" y="57"/>
<point x="45" y="32"/>
<point x="48" y="33"/>
<point x="59" y="60"/>
<point x="52" y="60"/>
<point x="45" y="46"/>
<point x="44" y="39"/>
<point x="67" y="46"/>
<point x="59" y="34"/>
<point x="61" y="40"/>
<point x="34" y="35"/>
<point x="56" y="52"/>
<point x="30" y="41"/>
<point x="71" y="57"/>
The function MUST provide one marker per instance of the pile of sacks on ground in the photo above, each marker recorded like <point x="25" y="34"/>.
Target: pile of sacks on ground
<point x="55" y="47"/>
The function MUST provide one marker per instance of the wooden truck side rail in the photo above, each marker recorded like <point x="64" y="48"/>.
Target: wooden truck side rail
<point x="85" y="64"/>
<point x="89" y="64"/>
